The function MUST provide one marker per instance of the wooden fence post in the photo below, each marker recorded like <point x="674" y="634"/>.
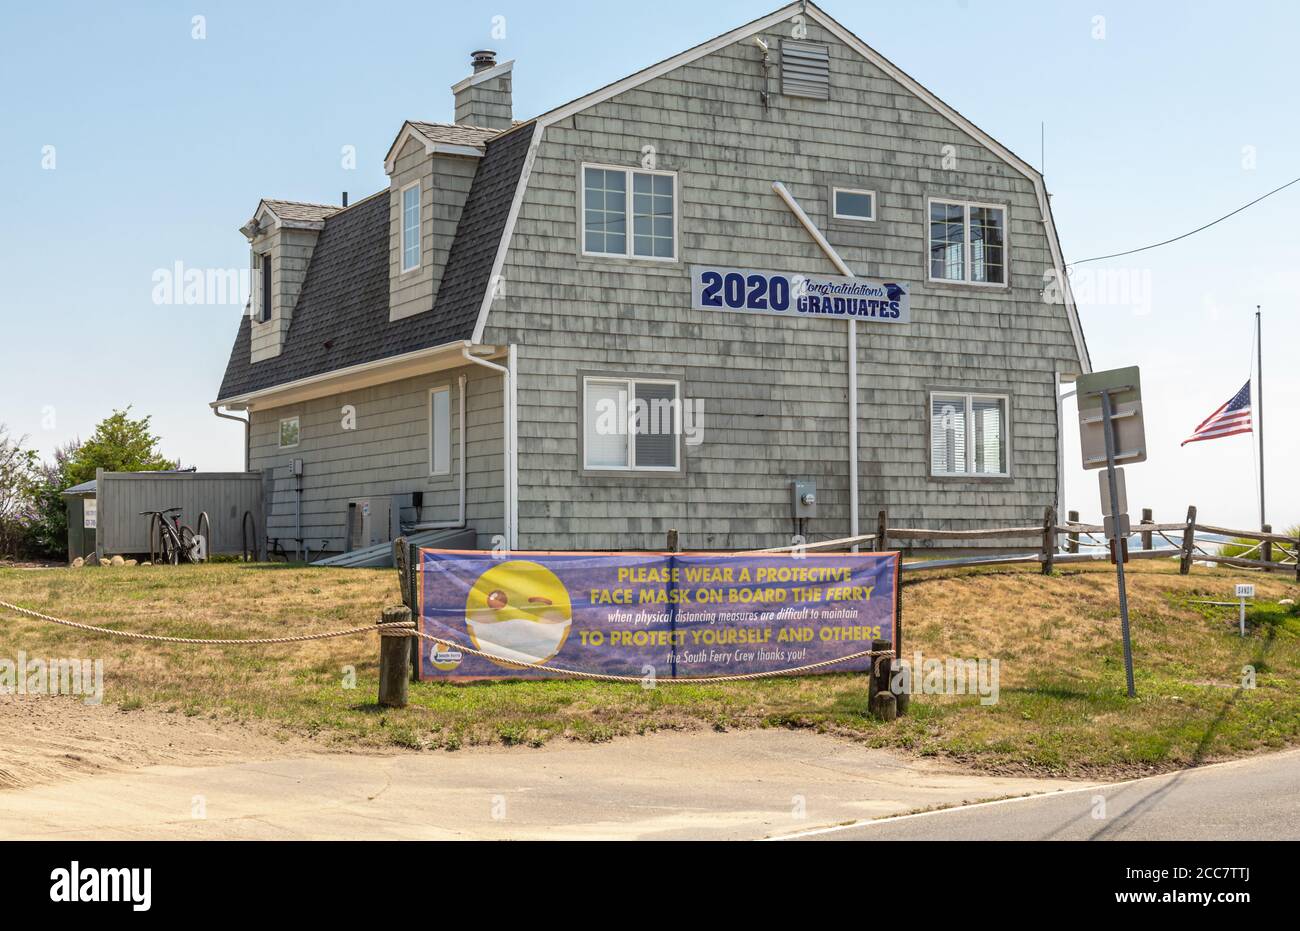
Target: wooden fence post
<point x="1049" y="539"/>
<point x="1266" y="547"/>
<point x="1072" y="541"/>
<point x="1189" y="542"/>
<point x="882" y="532"/>
<point x="394" y="659"/>
<point x="883" y="703"/>
<point x="1146" y="534"/>
<point x="672" y="540"/>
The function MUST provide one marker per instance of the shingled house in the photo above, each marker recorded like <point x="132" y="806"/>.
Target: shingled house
<point x="844" y="294"/>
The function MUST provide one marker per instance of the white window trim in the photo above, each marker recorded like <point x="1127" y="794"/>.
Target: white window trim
<point x="966" y="263"/>
<point x="297" y="423"/>
<point x="451" y="427"/>
<point x="419" y="227"/>
<point x="836" y="215"/>
<point x="970" y="397"/>
<point x="628" y="173"/>
<point x="630" y="385"/>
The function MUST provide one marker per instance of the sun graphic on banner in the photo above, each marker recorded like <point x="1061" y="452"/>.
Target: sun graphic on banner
<point x="519" y="610"/>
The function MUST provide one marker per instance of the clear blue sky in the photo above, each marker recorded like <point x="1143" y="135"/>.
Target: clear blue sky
<point x="163" y="144"/>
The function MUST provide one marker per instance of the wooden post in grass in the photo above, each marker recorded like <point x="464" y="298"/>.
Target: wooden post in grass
<point x="883" y="703"/>
<point x="1146" y="534"/>
<point x="1049" y="539"/>
<point x="1072" y="541"/>
<point x="1189" y="542"/>
<point x="882" y="532"/>
<point x="394" y="659"/>
<point x="673" y="546"/>
<point x="1266" y="547"/>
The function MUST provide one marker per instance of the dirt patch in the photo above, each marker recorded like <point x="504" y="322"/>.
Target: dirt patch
<point x="54" y="738"/>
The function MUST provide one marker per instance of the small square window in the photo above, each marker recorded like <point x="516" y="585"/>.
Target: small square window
<point x="854" y="205"/>
<point x="630" y="213"/>
<point x="968" y="242"/>
<point x="289" y="432"/>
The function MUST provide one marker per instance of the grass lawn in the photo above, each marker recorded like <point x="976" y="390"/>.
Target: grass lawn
<point x="1062" y="707"/>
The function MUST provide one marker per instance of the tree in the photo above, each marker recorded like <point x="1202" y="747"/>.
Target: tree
<point x="47" y="529"/>
<point x="17" y="466"/>
<point x="119" y="444"/>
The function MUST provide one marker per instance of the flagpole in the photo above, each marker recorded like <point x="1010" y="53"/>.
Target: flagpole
<point x="1259" y="407"/>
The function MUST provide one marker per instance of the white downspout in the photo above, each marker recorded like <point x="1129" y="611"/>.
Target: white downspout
<point x="844" y="270"/>
<point x="507" y="432"/>
<point x="460" y="426"/>
<point x="245" y="421"/>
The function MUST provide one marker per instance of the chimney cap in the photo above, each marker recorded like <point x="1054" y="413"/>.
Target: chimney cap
<point x="483" y="59"/>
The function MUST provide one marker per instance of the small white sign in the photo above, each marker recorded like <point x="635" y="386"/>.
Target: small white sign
<point x="89" y="513"/>
<point x="1245" y="591"/>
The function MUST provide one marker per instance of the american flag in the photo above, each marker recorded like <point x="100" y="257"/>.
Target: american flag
<point x="1229" y="420"/>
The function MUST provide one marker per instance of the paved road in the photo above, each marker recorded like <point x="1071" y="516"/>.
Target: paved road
<point x="1254" y="799"/>
<point x="742" y="784"/>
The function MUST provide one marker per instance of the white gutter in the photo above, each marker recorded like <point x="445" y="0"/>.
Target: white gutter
<point x="508" y="429"/>
<point x="244" y="420"/>
<point x="844" y="270"/>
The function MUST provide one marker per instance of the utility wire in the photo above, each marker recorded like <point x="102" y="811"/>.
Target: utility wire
<point x="1157" y="245"/>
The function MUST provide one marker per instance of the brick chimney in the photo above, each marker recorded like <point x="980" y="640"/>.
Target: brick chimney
<point x="483" y="98"/>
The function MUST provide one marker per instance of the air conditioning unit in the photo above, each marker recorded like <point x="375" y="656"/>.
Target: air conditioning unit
<point x="368" y="522"/>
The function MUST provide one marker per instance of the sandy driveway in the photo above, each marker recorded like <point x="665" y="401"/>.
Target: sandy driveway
<point x="78" y="772"/>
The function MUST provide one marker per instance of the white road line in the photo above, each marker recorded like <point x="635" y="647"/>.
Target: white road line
<point x="1037" y="796"/>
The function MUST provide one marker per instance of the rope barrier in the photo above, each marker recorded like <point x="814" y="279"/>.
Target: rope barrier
<point x="407" y="629"/>
<point x="301" y="638"/>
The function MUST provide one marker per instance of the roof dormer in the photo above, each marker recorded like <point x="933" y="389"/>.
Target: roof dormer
<point x="281" y="236"/>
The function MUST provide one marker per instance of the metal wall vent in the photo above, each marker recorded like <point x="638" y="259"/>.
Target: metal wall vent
<point x="805" y="69"/>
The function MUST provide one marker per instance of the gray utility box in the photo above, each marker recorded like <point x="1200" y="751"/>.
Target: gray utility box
<point x="803" y="498"/>
<point x="404" y="510"/>
<point x="368" y="522"/>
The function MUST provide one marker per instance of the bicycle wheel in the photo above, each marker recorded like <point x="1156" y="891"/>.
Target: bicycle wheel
<point x="203" y="528"/>
<point x="189" y="545"/>
<point x="170" y="551"/>
<point x="157" y="539"/>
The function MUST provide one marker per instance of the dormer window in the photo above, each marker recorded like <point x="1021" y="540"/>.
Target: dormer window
<point x="411" y="227"/>
<point x="264" y="292"/>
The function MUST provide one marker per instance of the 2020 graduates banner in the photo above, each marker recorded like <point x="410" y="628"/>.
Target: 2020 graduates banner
<point x="672" y="615"/>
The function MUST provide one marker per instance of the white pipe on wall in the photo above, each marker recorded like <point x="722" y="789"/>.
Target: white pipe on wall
<point x="844" y="270"/>
<point x="507" y="430"/>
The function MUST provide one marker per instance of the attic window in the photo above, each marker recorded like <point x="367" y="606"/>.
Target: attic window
<point x="805" y="69"/>
<point x="264" y="298"/>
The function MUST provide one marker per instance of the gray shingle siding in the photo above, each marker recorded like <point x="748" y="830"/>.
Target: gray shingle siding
<point x="774" y="392"/>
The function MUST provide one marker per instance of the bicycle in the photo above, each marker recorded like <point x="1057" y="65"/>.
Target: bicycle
<point x="170" y="541"/>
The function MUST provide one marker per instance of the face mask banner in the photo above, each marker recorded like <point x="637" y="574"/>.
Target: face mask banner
<point x="650" y="615"/>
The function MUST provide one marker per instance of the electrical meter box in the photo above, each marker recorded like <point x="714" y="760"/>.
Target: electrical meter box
<point x="803" y="498"/>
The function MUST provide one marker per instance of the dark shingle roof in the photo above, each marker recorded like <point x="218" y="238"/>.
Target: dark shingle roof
<point x="341" y="318"/>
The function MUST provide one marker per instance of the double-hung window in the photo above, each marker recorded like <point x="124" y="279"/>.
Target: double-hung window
<point x="264" y="287"/>
<point x="411" y="227"/>
<point x="969" y="435"/>
<point x="631" y="424"/>
<point x="629" y="212"/>
<point x="968" y="242"/>
<point x="440" y="431"/>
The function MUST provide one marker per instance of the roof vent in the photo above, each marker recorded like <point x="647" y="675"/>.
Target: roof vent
<point x="483" y="60"/>
<point x="805" y="70"/>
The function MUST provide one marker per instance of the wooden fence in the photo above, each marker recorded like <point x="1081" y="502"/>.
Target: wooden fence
<point x="1083" y="543"/>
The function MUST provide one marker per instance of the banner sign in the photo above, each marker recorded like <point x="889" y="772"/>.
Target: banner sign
<point x="651" y="614"/>
<point x="788" y="294"/>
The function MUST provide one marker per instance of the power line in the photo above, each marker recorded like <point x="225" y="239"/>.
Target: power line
<point x="1157" y="245"/>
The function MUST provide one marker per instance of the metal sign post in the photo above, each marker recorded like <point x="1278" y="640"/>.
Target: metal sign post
<point x="1117" y="541"/>
<point x="1118" y="394"/>
<point x="1244" y="592"/>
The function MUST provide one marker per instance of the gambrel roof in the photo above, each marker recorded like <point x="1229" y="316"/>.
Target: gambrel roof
<point x="341" y="318"/>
